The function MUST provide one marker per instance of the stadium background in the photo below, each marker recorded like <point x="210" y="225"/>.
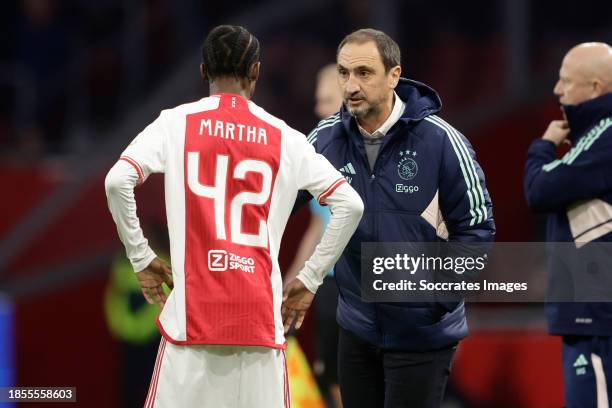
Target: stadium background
<point x="79" y="79"/>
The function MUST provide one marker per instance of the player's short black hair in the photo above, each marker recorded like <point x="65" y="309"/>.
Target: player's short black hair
<point x="229" y="50"/>
<point x="387" y="48"/>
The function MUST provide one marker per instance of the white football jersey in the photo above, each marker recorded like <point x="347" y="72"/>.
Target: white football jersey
<point x="232" y="172"/>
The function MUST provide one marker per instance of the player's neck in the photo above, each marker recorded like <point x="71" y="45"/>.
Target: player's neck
<point x="229" y="85"/>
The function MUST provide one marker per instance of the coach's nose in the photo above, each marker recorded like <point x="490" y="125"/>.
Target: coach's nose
<point x="352" y="86"/>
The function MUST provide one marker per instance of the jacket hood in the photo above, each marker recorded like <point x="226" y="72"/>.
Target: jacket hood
<point x="421" y="100"/>
<point x="583" y="116"/>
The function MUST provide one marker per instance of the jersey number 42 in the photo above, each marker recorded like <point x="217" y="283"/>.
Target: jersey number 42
<point x="217" y="193"/>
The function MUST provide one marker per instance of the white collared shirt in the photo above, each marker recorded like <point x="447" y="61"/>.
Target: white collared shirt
<point x="396" y="113"/>
<point x="373" y="141"/>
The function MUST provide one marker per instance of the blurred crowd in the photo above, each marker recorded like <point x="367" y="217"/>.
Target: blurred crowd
<point x="69" y="70"/>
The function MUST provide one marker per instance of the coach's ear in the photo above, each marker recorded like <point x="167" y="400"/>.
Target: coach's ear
<point x="203" y="72"/>
<point x="394" y="76"/>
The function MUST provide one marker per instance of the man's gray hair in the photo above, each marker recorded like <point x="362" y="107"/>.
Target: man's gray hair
<point x="387" y="48"/>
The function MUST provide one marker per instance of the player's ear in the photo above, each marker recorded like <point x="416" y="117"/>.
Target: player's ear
<point x="203" y="72"/>
<point x="254" y="72"/>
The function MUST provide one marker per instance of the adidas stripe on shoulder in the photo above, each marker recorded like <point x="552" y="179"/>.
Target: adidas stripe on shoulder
<point x="325" y="123"/>
<point x="478" y="209"/>
<point x="583" y="145"/>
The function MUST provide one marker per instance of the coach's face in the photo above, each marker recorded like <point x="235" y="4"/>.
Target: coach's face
<point x="366" y="87"/>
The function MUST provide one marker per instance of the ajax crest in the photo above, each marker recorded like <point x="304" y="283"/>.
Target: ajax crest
<point x="407" y="168"/>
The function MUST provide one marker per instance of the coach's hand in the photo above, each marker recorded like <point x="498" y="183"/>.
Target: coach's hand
<point x="151" y="279"/>
<point x="296" y="301"/>
<point x="557" y="132"/>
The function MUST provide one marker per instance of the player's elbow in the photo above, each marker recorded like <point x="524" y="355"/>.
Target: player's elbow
<point x="112" y="183"/>
<point x="355" y="207"/>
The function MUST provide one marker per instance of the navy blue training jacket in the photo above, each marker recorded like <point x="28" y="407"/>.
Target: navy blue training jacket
<point x="423" y="163"/>
<point x="578" y="183"/>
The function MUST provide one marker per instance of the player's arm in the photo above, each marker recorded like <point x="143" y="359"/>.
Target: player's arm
<point x="584" y="172"/>
<point x="324" y="182"/>
<point x="310" y="239"/>
<point x="304" y="196"/>
<point x="346" y="208"/>
<point x="145" y="155"/>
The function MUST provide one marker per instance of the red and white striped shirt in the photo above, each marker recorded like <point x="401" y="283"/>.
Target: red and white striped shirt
<point x="232" y="172"/>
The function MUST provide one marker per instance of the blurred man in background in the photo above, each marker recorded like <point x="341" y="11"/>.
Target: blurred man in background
<point x="230" y="168"/>
<point x="419" y="182"/>
<point x="576" y="193"/>
<point x="328" y="100"/>
<point x="328" y="96"/>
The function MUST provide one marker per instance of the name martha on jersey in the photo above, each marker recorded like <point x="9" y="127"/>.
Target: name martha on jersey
<point x="233" y="131"/>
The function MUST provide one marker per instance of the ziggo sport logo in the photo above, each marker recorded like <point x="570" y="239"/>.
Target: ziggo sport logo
<point x="220" y="260"/>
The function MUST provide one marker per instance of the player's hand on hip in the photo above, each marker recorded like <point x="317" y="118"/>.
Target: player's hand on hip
<point x="151" y="279"/>
<point x="296" y="301"/>
<point x="557" y="132"/>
